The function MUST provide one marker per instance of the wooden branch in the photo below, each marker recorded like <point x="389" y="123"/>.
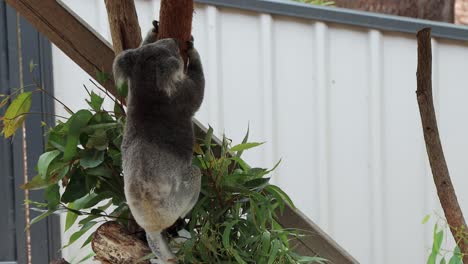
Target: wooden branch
<point x="123" y="21"/>
<point x="114" y="244"/>
<point x="176" y="22"/>
<point x="91" y="52"/>
<point x="440" y="172"/>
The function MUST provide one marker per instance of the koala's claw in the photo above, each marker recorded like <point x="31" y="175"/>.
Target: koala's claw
<point x="155" y="26"/>
<point x="190" y="44"/>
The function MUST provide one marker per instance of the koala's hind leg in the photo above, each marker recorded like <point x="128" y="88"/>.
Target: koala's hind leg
<point x="195" y="183"/>
<point x="160" y="248"/>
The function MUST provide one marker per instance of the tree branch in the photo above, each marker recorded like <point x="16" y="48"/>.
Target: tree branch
<point x="176" y="22"/>
<point x="440" y="172"/>
<point x="124" y="27"/>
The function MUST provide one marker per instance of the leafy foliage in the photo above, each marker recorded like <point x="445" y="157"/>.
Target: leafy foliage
<point x="438" y="254"/>
<point x="235" y="219"/>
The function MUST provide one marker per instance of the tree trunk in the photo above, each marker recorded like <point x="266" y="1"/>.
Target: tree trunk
<point x="438" y="10"/>
<point x="124" y="27"/>
<point x="176" y="22"/>
<point x="440" y="172"/>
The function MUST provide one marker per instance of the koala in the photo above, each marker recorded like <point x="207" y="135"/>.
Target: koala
<point x="160" y="182"/>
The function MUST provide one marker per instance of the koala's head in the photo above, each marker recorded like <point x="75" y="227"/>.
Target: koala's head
<point x="153" y="67"/>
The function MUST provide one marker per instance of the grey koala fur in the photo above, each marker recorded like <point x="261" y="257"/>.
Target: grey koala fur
<point x="161" y="184"/>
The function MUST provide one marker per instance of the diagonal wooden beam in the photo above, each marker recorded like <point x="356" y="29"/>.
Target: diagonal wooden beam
<point x="70" y="34"/>
<point x="92" y="53"/>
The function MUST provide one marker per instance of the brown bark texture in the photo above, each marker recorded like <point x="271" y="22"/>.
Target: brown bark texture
<point x="114" y="244"/>
<point x="123" y="22"/>
<point x="440" y="172"/>
<point x="176" y="22"/>
<point x="437" y="10"/>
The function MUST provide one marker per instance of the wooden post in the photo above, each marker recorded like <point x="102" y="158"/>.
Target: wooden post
<point x="440" y="172"/>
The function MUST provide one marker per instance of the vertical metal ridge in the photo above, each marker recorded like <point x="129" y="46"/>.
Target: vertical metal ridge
<point x="376" y="172"/>
<point x="266" y="81"/>
<point x="215" y="94"/>
<point x="322" y="139"/>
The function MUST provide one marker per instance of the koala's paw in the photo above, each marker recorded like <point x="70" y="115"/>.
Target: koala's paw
<point x="155" y="26"/>
<point x="190" y="43"/>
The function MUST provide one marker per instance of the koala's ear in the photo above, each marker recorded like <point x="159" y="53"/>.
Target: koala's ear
<point x="123" y="65"/>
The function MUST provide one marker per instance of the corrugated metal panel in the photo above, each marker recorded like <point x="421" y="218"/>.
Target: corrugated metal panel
<point x="337" y="103"/>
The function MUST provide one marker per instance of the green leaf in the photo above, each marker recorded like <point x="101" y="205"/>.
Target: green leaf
<point x="101" y="170"/>
<point x="36" y="183"/>
<point x="88" y="240"/>
<point x="15" y="113"/>
<point x="90" y="255"/>
<point x="425" y="219"/>
<point x="442" y="261"/>
<point x="75" y="236"/>
<point x="40" y="217"/>
<point x="57" y="139"/>
<point x="70" y="218"/>
<point x="122" y="89"/>
<point x="275" y="245"/>
<point x="227" y="233"/>
<point x="257" y="183"/>
<point x="209" y="135"/>
<point x="76" y="188"/>
<point x="102" y="77"/>
<point x="52" y="194"/>
<point x="44" y="161"/>
<point x="457" y="257"/>
<point x="98" y="140"/>
<point x="95" y="102"/>
<point x="275" y="189"/>
<point x="245" y="146"/>
<point x="91" y="158"/>
<point x="91" y="200"/>
<point x="32" y="65"/>
<point x="78" y="121"/>
<point x="438" y="237"/>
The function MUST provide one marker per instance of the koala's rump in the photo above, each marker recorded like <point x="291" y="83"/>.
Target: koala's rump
<point x="158" y="187"/>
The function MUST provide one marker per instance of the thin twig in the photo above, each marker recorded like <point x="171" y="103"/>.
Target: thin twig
<point x="440" y="172"/>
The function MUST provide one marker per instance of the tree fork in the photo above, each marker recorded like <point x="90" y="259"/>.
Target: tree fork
<point x="440" y="172"/>
<point x="123" y="22"/>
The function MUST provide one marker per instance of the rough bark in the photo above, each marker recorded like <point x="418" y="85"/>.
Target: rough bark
<point x="438" y="10"/>
<point x="123" y="22"/>
<point x="176" y="22"/>
<point x="114" y="244"/>
<point x="440" y="172"/>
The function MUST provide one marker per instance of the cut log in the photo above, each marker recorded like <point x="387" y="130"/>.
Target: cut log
<point x="114" y="244"/>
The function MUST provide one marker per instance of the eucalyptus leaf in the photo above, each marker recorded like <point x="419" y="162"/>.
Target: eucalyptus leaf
<point x="16" y="113"/>
<point x="44" y="161"/>
<point x="91" y="158"/>
<point x="76" y="123"/>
